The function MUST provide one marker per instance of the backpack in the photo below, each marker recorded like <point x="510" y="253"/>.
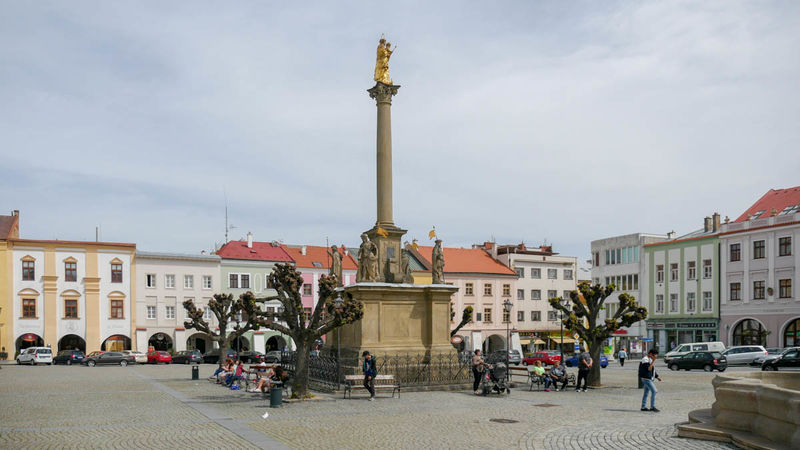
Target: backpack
<point x="644" y="370"/>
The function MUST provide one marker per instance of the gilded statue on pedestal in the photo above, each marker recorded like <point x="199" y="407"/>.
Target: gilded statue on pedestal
<point x="382" y="62"/>
<point x="437" y="258"/>
<point x="367" y="261"/>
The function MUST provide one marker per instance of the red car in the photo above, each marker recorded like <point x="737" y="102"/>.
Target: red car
<point x="547" y="357"/>
<point x="156" y="357"/>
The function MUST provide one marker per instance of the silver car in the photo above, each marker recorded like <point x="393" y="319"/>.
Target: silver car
<point x="744" y="354"/>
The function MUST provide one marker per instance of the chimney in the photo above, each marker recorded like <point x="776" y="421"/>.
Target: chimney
<point x="716" y="221"/>
<point x="249" y="240"/>
<point x="671" y="234"/>
<point x="707" y="224"/>
<point x="303" y="250"/>
<point x="15" y="212"/>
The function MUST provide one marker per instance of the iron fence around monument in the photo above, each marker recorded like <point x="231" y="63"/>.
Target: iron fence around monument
<point x="326" y="373"/>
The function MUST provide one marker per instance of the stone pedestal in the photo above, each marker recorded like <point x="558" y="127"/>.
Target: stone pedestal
<point x="399" y="319"/>
<point x="389" y="252"/>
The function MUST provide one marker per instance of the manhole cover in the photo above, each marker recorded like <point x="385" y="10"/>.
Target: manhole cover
<point x="503" y="420"/>
<point x="545" y="405"/>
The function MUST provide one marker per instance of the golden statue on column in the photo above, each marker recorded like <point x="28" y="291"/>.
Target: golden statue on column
<point x="382" y="62"/>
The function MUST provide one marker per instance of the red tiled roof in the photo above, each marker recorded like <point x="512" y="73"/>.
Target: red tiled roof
<point x="467" y="260"/>
<point x="261" y="251"/>
<point x="774" y="198"/>
<point x="319" y="255"/>
<point x="7" y="226"/>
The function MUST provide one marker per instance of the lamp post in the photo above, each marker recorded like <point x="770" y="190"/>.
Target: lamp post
<point x="238" y="318"/>
<point x="562" y="333"/>
<point x="507" y="308"/>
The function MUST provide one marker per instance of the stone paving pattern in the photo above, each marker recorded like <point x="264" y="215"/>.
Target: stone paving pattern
<point x="109" y="407"/>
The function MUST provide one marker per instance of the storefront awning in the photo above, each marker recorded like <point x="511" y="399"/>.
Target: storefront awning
<point x="566" y="340"/>
<point x="539" y="342"/>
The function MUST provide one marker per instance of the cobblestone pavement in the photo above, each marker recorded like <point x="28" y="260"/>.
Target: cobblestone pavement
<point x="161" y="407"/>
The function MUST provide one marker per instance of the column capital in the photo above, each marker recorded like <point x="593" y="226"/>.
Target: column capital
<point x="382" y="93"/>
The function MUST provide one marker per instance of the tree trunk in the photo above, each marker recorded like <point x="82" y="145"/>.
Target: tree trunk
<point x="594" y="373"/>
<point x="300" y="382"/>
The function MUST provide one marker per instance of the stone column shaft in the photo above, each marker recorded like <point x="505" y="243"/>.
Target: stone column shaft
<point x="382" y="93"/>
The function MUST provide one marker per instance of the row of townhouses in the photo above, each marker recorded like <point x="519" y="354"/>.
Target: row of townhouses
<point x="730" y="281"/>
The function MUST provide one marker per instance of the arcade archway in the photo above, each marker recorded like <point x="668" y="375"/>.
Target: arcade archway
<point x="72" y="342"/>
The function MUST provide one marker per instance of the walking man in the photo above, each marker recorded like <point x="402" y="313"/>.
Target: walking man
<point x="584" y="365"/>
<point x="478" y="365"/>
<point x="622" y="356"/>
<point x="647" y="372"/>
<point x="369" y="374"/>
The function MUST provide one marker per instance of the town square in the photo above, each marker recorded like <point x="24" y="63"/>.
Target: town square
<point x="528" y="225"/>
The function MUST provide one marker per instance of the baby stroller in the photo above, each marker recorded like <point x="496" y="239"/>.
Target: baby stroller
<point x="494" y="379"/>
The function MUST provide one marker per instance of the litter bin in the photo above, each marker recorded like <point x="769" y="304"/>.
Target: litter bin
<point x="276" y="395"/>
<point x="195" y="372"/>
<point x="641" y="385"/>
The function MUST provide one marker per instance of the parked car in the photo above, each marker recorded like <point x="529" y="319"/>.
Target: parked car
<point x="273" y="357"/>
<point x="139" y="357"/>
<point x="772" y="352"/>
<point x="108" y="358"/>
<point x="187" y="357"/>
<point x="548" y="357"/>
<point x="251" y="356"/>
<point x="212" y="356"/>
<point x="744" y="354"/>
<point x="514" y="357"/>
<point x="68" y="357"/>
<point x="707" y="361"/>
<point x="789" y="358"/>
<point x="158" y="356"/>
<point x="573" y="361"/>
<point x="684" y="349"/>
<point x="35" y="355"/>
<point x="94" y="354"/>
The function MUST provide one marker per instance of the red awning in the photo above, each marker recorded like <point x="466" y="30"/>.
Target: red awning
<point x="619" y="332"/>
<point x="30" y="337"/>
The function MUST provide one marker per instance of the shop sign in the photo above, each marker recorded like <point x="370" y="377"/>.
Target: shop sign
<point x="621" y="332"/>
<point x="651" y="325"/>
<point x="698" y="325"/>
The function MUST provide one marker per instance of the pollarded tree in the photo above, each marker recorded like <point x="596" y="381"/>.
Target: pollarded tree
<point x="466" y="317"/>
<point x="226" y="310"/>
<point x="581" y="316"/>
<point x="305" y="331"/>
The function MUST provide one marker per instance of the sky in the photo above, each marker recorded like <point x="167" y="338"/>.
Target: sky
<point x="536" y="122"/>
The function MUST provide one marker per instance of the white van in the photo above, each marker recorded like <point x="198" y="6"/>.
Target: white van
<point x="683" y="349"/>
<point x="35" y="355"/>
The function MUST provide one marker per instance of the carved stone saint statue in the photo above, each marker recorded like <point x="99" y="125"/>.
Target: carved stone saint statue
<point x="437" y="258"/>
<point x="367" y="261"/>
<point x="382" y="62"/>
<point x="336" y="264"/>
<point x="405" y="267"/>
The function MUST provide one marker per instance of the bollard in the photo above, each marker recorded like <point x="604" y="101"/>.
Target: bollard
<point x="195" y="372"/>
<point x="641" y="385"/>
<point x="276" y="395"/>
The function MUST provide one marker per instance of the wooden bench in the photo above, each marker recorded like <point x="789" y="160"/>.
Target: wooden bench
<point x="539" y="380"/>
<point x="381" y="382"/>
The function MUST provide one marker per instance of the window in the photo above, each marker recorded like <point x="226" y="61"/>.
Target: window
<point x="150" y="280"/>
<point x="506" y="316"/>
<point x="613" y="257"/>
<point x="28" y="270"/>
<point x="565" y="295"/>
<point x="758" y="290"/>
<point x="520" y="294"/>
<point x="691" y="302"/>
<point x="552" y="274"/>
<point x="487" y="290"/>
<point x="785" y="288"/>
<point x="757" y="214"/>
<point x="170" y="312"/>
<point x="758" y="249"/>
<point x="659" y="273"/>
<point x="29" y="308"/>
<point x="567" y="274"/>
<point x="536" y="316"/>
<point x="207" y="282"/>
<point x="784" y="246"/>
<point x="487" y="315"/>
<point x="478" y="317"/>
<point x="70" y="308"/>
<point x="169" y="281"/>
<point x="151" y="312"/>
<point x="70" y="271"/>
<point x="552" y="315"/>
<point x="520" y="272"/>
<point x="660" y="304"/>
<point x="233" y="281"/>
<point x="206" y="313"/>
<point x="116" y="273"/>
<point x="596" y="258"/>
<point x="691" y="270"/>
<point x="791" y="209"/>
<point x="707" y="305"/>
<point x="536" y="273"/>
<point x="608" y="260"/>
<point x="791" y="337"/>
<point x="736" y="291"/>
<point x="245" y="281"/>
<point x="468" y="289"/>
<point x="552" y="294"/>
<point x="116" y="309"/>
<point x="673" y="303"/>
<point x="307" y="312"/>
<point x="520" y="316"/>
<point x="749" y="332"/>
<point x="736" y="252"/>
<point x="506" y="290"/>
<point x="188" y="281"/>
<point x="673" y="272"/>
<point x="706" y="268"/>
<point x="307" y="289"/>
<point x="536" y="294"/>
<point x="636" y="281"/>
<point x="624" y="283"/>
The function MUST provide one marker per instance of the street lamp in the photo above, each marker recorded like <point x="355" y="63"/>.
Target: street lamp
<point x="238" y="318"/>
<point x="507" y="308"/>
<point x="562" y="331"/>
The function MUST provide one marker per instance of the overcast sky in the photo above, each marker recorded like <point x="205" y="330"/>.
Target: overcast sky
<point x="560" y="121"/>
